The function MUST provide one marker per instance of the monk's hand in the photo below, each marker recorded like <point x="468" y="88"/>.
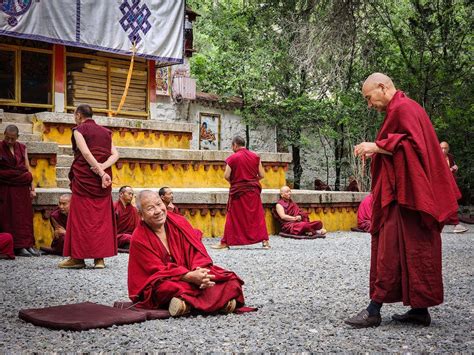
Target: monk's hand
<point x="106" y="180"/>
<point x="365" y="149"/>
<point x="32" y="193"/>
<point x="298" y="218"/>
<point x="454" y="168"/>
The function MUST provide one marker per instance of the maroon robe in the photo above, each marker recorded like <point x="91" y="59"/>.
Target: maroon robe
<point x="353" y="186"/>
<point x="16" y="209"/>
<point x="364" y="213"/>
<point x="127" y="219"/>
<point x="154" y="274"/>
<point x="175" y="209"/>
<point x="454" y="218"/>
<point x="297" y="228"/>
<point x="409" y="209"/>
<point x="6" y="246"/>
<point x="245" y="220"/>
<point x="57" y="244"/>
<point x="91" y="227"/>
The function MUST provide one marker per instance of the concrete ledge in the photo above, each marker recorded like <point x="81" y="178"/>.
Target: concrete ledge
<point x="153" y="125"/>
<point x="41" y="148"/>
<point x="219" y="196"/>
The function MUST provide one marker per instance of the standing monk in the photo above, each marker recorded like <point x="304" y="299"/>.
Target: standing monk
<point x="453" y="219"/>
<point x="245" y="221"/>
<point x="91" y="227"/>
<point x="16" y="193"/>
<point x="58" y="220"/>
<point x="126" y="216"/>
<point x="408" y="208"/>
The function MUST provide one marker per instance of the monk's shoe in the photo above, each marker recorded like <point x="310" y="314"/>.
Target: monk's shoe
<point x="421" y="319"/>
<point x="229" y="307"/>
<point x="266" y="244"/>
<point x="33" y="251"/>
<point x="22" y="252"/>
<point x="220" y="246"/>
<point x="364" y="320"/>
<point x="99" y="264"/>
<point x="72" y="263"/>
<point x="178" y="307"/>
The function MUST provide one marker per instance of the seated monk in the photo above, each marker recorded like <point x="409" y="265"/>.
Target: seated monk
<point x="319" y="185"/>
<point x="170" y="267"/>
<point x="364" y="214"/>
<point x="58" y="220"/>
<point x="6" y="246"/>
<point x="294" y="220"/>
<point x="126" y="216"/>
<point x="353" y="185"/>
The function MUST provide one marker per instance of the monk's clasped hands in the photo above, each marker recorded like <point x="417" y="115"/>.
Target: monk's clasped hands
<point x="365" y="149"/>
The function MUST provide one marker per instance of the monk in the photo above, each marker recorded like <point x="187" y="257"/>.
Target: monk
<point x="353" y="185"/>
<point x="453" y="219"/>
<point x="319" y="185"/>
<point x="294" y="220"/>
<point x="408" y="209"/>
<point x="364" y="214"/>
<point x="126" y="216"/>
<point x="16" y="193"/>
<point x="91" y="228"/>
<point x="169" y="266"/>
<point x="6" y="246"/>
<point x="245" y="220"/>
<point x="58" y="220"/>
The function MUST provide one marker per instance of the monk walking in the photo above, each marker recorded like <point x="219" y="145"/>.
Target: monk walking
<point x="58" y="220"/>
<point x="91" y="228"/>
<point x="126" y="216"/>
<point x="245" y="220"/>
<point x="293" y="219"/>
<point x="169" y="266"/>
<point x="16" y="193"/>
<point x="408" y="209"/>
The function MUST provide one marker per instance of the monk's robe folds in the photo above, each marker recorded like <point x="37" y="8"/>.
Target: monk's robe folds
<point x="409" y="209"/>
<point x="57" y="244"/>
<point x="154" y="274"/>
<point x="291" y="208"/>
<point x="16" y="209"/>
<point x="364" y="213"/>
<point x="127" y="219"/>
<point x="6" y="246"/>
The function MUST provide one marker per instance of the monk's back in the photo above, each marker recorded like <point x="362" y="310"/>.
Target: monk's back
<point x="96" y="137"/>
<point x="244" y="165"/>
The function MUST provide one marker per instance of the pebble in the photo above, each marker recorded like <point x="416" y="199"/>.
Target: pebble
<point x="304" y="290"/>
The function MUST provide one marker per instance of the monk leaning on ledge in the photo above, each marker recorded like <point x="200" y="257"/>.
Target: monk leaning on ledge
<point x="408" y="208"/>
<point x="126" y="216"/>
<point x="293" y="219"/>
<point x="169" y="266"/>
<point x="58" y="220"/>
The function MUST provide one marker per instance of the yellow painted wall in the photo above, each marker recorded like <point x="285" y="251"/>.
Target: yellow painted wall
<point x="44" y="174"/>
<point x="178" y="177"/>
<point x="170" y="141"/>
<point x="214" y="226"/>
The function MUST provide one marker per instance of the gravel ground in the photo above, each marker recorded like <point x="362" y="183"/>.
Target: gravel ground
<point x="303" y="289"/>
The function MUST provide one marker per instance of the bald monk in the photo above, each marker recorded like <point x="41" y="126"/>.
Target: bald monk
<point x="91" y="228"/>
<point x="58" y="220"/>
<point x="169" y="266"/>
<point x="294" y="220"/>
<point x="16" y="193"/>
<point x="353" y="184"/>
<point x="245" y="220"/>
<point x="126" y="216"/>
<point x="6" y="246"/>
<point x="364" y="214"/>
<point x="409" y="208"/>
<point x="453" y="219"/>
<point x="319" y="185"/>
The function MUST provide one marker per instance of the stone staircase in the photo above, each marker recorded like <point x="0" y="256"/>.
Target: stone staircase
<point x="24" y="124"/>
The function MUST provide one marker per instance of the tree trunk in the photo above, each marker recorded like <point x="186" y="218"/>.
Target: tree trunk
<point x="297" y="169"/>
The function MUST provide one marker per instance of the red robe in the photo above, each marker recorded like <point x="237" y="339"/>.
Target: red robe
<point x="175" y="209"/>
<point x="409" y="209"/>
<point x="154" y="275"/>
<point x="57" y="244"/>
<point x="297" y="228"/>
<point x="454" y="218"/>
<point x="6" y="246"/>
<point x="245" y="220"/>
<point x="16" y="209"/>
<point x="364" y="213"/>
<point x="127" y="219"/>
<point x="91" y="227"/>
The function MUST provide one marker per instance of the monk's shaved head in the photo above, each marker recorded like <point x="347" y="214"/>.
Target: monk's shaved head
<point x="151" y="208"/>
<point x="64" y="203"/>
<point x="378" y="90"/>
<point x="285" y="192"/>
<point x="12" y="129"/>
<point x="65" y="197"/>
<point x="144" y="195"/>
<point x="284" y="189"/>
<point x="378" y="78"/>
<point x="444" y="147"/>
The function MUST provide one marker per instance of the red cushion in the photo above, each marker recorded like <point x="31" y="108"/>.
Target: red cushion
<point x="294" y="236"/>
<point x="80" y="316"/>
<point x="150" y="314"/>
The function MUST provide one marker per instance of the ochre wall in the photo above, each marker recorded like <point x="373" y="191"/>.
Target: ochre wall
<point x="44" y="173"/>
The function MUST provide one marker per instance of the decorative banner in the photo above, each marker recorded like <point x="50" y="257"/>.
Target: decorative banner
<point x="156" y="26"/>
<point x="209" y="131"/>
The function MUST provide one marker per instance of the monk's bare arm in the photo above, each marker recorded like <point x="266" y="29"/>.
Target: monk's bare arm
<point x="286" y="217"/>
<point x="261" y="171"/>
<point x="227" y="173"/>
<point x="367" y="149"/>
<point x="27" y="164"/>
<point x="112" y="159"/>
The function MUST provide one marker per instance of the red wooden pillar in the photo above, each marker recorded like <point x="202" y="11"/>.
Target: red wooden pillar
<point x="152" y="89"/>
<point x="59" y="77"/>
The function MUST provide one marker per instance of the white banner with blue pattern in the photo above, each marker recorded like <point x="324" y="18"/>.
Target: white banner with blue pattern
<point x="155" y="26"/>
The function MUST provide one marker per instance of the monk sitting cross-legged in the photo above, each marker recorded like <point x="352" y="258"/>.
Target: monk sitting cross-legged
<point x="126" y="216"/>
<point x="58" y="219"/>
<point x="170" y="267"/>
<point x="293" y="219"/>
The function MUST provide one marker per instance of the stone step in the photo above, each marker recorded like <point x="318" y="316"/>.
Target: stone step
<point x="62" y="173"/>
<point x="25" y="128"/>
<point x="65" y="150"/>
<point x="17" y="117"/>
<point x="25" y="137"/>
<point x="64" y="161"/>
<point x="63" y="183"/>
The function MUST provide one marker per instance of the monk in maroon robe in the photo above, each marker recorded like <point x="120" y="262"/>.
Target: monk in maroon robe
<point x="91" y="227"/>
<point x="408" y="209"/>
<point x="294" y="220"/>
<point x="353" y="185"/>
<point x="319" y="185"/>
<point x="364" y="213"/>
<point x="453" y="219"/>
<point x="58" y="220"/>
<point x="126" y="216"/>
<point x="169" y="266"/>
<point x="16" y="193"/>
<point x="245" y="220"/>
<point x="6" y="246"/>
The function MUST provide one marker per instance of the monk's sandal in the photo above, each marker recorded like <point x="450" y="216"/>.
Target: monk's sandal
<point x="178" y="307"/>
<point x="229" y="307"/>
<point x="72" y="263"/>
